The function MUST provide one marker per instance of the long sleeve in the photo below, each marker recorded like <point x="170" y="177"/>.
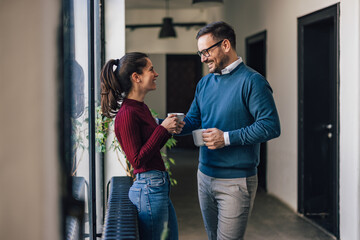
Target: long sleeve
<point x="138" y="152"/>
<point x="140" y="136"/>
<point x="259" y="100"/>
<point x="193" y="117"/>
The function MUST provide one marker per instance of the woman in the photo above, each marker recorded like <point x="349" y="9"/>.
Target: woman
<point x="122" y="94"/>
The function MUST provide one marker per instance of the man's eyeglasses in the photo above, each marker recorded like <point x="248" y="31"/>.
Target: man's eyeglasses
<point x="205" y="52"/>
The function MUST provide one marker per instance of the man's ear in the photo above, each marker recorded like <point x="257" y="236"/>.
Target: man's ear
<point x="226" y="45"/>
<point x="135" y="77"/>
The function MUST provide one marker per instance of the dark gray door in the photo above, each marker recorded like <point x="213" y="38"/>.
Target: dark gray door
<point x="183" y="72"/>
<point x="318" y="117"/>
<point x="256" y="59"/>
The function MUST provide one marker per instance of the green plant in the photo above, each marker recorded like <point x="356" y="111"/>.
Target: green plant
<point x="77" y="137"/>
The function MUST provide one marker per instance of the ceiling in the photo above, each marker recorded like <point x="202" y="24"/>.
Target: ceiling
<point x="131" y="4"/>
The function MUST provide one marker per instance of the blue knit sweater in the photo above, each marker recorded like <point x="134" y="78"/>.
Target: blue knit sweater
<point x="242" y="104"/>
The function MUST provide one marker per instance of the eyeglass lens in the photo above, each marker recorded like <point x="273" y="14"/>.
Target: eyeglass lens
<point x="205" y="52"/>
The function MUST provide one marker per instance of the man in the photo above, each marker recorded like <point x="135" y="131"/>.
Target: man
<point x="235" y="104"/>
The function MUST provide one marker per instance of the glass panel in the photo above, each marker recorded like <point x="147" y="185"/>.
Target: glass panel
<point x="81" y="218"/>
<point x="99" y="158"/>
<point x="76" y="65"/>
<point x="80" y="113"/>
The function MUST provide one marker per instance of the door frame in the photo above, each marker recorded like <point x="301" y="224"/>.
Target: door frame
<point x="261" y="36"/>
<point x="255" y="38"/>
<point x="332" y="12"/>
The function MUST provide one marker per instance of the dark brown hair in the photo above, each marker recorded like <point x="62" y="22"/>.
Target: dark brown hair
<point x="219" y="30"/>
<point x="116" y="84"/>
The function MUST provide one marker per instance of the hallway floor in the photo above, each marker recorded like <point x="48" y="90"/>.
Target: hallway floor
<point x="270" y="219"/>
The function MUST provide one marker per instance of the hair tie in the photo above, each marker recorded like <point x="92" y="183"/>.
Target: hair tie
<point x="105" y="93"/>
<point x="117" y="62"/>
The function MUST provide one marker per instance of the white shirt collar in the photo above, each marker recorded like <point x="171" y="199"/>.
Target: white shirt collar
<point x="231" y="67"/>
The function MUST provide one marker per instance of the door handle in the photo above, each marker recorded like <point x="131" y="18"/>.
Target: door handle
<point x="328" y="126"/>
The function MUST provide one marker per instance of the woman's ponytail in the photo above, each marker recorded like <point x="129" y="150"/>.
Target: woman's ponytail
<point x="116" y="83"/>
<point x="110" y="89"/>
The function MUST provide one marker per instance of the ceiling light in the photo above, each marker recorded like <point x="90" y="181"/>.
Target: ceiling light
<point x="167" y="28"/>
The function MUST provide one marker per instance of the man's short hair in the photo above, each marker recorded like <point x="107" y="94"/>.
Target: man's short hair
<point x="219" y="30"/>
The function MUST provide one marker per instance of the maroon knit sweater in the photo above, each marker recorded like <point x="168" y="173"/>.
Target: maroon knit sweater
<point x="140" y="136"/>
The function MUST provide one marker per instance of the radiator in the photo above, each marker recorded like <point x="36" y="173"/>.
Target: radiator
<point x="74" y="221"/>
<point x="121" y="215"/>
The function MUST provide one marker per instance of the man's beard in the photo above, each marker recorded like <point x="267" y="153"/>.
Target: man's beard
<point x="222" y="64"/>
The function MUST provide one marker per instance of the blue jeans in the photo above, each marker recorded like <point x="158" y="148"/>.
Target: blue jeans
<point x="156" y="214"/>
<point x="226" y="205"/>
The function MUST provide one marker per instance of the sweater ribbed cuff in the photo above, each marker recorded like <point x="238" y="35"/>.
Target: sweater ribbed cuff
<point x="162" y="132"/>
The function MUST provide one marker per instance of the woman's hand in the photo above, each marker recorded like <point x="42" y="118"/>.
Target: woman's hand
<point x="171" y="124"/>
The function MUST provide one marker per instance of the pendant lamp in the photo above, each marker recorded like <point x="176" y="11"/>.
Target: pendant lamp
<point x="167" y="28"/>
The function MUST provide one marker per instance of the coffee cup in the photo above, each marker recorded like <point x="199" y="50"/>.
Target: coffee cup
<point x="198" y="138"/>
<point x="179" y="116"/>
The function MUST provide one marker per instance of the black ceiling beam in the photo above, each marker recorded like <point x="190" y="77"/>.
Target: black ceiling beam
<point x="187" y="25"/>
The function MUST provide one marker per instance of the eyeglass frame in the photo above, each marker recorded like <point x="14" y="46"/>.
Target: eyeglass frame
<point x="202" y="53"/>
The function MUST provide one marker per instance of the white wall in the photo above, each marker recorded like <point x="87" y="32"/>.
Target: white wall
<point x="114" y="49"/>
<point x="114" y="29"/>
<point x="29" y="202"/>
<point x="279" y="18"/>
<point x="147" y="40"/>
<point x="349" y="120"/>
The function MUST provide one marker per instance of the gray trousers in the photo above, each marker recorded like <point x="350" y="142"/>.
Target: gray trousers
<point x="226" y="205"/>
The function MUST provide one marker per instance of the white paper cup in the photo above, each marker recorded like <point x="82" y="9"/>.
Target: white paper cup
<point x="180" y="116"/>
<point x="198" y="138"/>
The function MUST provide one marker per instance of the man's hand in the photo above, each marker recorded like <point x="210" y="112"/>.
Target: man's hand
<point x="180" y="127"/>
<point x="214" y="138"/>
